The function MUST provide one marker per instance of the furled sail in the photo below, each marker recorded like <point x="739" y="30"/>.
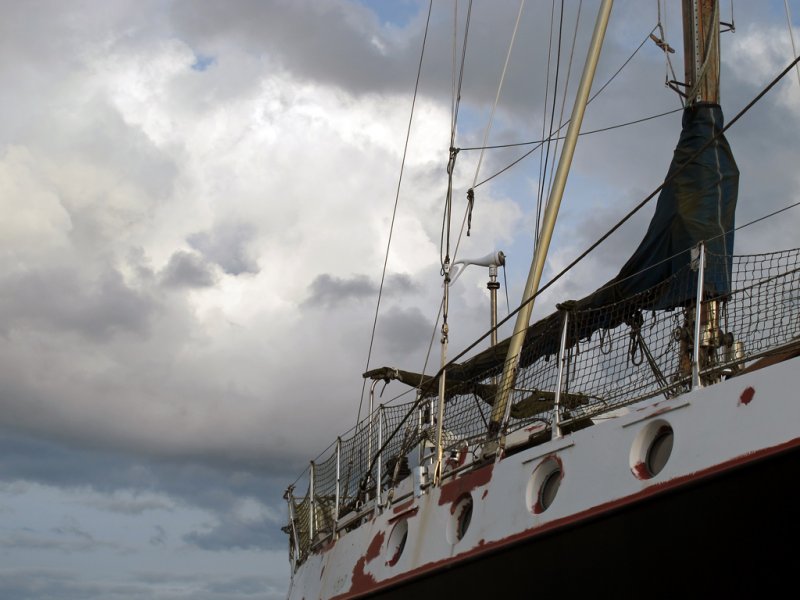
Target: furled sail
<point x="697" y="203"/>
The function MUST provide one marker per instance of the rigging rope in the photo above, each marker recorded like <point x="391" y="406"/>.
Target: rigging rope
<point x="732" y="25"/>
<point x="591" y="131"/>
<point x="595" y="95"/>
<point x="791" y="35"/>
<point x="444" y="248"/>
<point x="541" y="142"/>
<point x="394" y="211"/>
<point x="543" y="176"/>
<point x="467" y="220"/>
<point x="667" y="49"/>
<point x="564" y="97"/>
<point x="544" y="121"/>
<point x="470" y="196"/>
<point x="499" y="89"/>
<point x="470" y="193"/>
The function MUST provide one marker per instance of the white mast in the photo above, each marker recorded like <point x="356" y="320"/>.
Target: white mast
<point x="551" y="212"/>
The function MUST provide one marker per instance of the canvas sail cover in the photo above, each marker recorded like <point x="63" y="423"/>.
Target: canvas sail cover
<point x="697" y="203"/>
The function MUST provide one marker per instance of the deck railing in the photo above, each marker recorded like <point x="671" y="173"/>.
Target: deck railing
<point x="648" y="353"/>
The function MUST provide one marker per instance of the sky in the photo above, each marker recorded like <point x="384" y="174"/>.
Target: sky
<point x="197" y="199"/>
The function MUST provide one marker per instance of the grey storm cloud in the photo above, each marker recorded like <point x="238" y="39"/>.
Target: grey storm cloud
<point x="60" y="585"/>
<point x="216" y="489"/>
<point x="56" y="584"/>
<point x="233" y="533"/>
<point x="188" y="269"/>
<point x="226" y="245"/>
<point x="300" y="36"/>
<point x="160" y="536"/>
<point x="404" y="330"/>
<point x="66" y="540"/>
<point x="328" y="291"/>
<point x="235" y="588"/>
<point x="66" y="299"/>
<point x="373" y="57"/>
<point x="130" y="506"/>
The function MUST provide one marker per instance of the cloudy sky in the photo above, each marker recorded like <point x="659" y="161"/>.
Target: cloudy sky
<point x="196" y="199"/>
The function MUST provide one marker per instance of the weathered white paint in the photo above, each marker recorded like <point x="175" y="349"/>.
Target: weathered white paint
<point x="712" y="427"/>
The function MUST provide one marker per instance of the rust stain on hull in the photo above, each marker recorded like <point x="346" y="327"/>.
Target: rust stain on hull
<point x="363" y="581"/>
<point x="453" y="490"/>
<point x="401" y="508"/>
<point x="747" y="396"/>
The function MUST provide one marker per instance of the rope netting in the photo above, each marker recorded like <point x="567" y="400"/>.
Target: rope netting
<point x="629" y="354"/>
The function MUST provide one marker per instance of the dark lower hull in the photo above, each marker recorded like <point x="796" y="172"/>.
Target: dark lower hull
<point x="735" y="534"/>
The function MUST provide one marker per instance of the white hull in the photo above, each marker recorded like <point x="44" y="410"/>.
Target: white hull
<point x="716" y="429"/>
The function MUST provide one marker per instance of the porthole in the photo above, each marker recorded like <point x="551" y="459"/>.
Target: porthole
<point x="549" y="489"/>
<point x="544" y="484"/>
<point x="652" y="449"/>
<point x="659" y="451"/>
<point x="397" y="542"/>
<point x="460" y="519"/>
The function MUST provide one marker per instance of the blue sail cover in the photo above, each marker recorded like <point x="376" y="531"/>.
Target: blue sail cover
<point x="697" y="203"/>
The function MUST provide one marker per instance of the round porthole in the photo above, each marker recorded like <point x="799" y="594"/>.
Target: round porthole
<point x="543" y="485"/>
<point x="397" y="542"/>
<point x="652" y="449"/>
<point x="460" y="519"/>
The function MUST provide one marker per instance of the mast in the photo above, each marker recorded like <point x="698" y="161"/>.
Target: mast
<point x="701" y="50"/>
<point x="701" y="67"/>
<point x="501" y="404"/>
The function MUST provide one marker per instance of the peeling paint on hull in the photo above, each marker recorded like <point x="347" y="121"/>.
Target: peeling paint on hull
<point x="712" y="521"/>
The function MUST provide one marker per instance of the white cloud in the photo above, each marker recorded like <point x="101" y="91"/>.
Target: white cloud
<point x="35" y="222"/>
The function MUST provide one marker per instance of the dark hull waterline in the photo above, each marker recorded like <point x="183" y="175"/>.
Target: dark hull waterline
<point x="732" y="534"/>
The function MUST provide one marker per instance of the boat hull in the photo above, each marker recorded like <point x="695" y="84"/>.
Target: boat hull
<point x="715" y="518"/>
<point x="732" y="533"/>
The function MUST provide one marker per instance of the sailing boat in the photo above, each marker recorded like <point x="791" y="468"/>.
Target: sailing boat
<point x="641" y="441"/>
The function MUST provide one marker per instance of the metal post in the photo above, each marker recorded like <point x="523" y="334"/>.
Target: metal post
<point x="312" y="505"/>
<point x="371" y="408"/>
<point x="421" y="445"/>
<point x="493" y="285"/>
<point x="421" y="467"/>
<point x="338" y="481"/>
<point x="378" y="488"/>
<point x="562" y="359"/>
<point x="437" y="469"/>
<point x="698" y="312"/>
<point x="295" y="555"/>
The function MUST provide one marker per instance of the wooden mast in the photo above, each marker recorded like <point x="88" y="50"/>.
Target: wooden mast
<point x="701" y="68"/>
<point x="701" y="50"/>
